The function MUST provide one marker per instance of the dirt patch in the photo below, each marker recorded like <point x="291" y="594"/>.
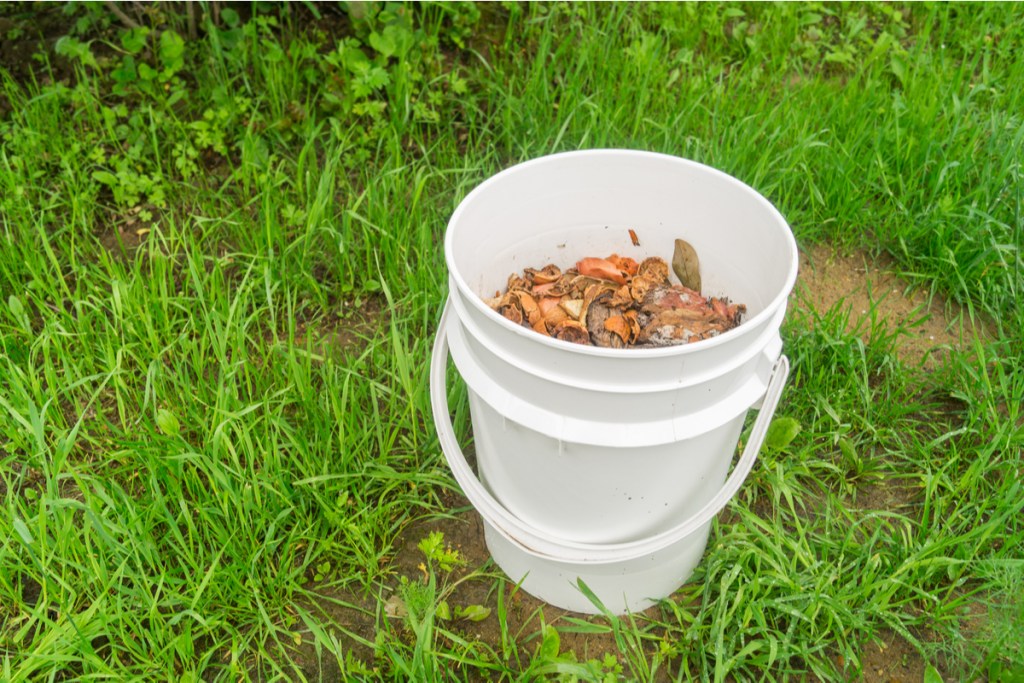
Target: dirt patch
<point x="477" y="582"/>
<point x="928" y="328"/>
<point x="893" y="495"/>
<point x="28" y="30"/>
<point x="348" y="617"/>
<point x="465" y="532"/>
<point x="356" y="322"/>
<point x="891" y="659"/>
<point x="888" y="658"/>
<point x="121" y="233"/>
<point x="122" y="242"/>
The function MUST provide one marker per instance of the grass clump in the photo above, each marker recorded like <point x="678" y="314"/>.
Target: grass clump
<point x="220" y="278"/>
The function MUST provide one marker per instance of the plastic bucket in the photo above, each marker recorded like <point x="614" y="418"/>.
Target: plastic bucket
<point x="608" y="464"/>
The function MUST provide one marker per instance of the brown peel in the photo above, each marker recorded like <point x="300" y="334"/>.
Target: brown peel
<point x="572" y="331"/>
<point x="617" y="324"/>
<point x="512" y="313"/>
<point x="547" y="274"/>
<point x="529" y="306"/>
<point x="554" y="317"/>
<point x="653" y="269"/>
<point x="633" y="322"/>
<point x="600" y="268"/>
<point x="546" y="304"/>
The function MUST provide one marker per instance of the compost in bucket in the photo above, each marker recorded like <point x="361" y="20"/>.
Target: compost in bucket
<point x="615" y="302"/>
<point x="604" y="464"/>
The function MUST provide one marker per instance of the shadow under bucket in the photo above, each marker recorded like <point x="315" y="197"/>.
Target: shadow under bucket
<point x="607" y="465"/>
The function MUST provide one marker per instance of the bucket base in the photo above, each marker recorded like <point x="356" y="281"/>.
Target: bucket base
<point x="629" y="585"/>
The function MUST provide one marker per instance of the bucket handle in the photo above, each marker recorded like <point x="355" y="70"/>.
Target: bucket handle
<point x="546" y="546"/>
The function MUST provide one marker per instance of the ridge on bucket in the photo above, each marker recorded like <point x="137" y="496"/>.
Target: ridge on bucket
<point x="608" y="465"/>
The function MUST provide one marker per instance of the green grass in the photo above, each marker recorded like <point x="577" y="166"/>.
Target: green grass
<point x="220" y="280"/>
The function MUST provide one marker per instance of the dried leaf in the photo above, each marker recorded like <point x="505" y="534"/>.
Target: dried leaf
<point x="686" y="265"/>
<point x="633" y="238"/>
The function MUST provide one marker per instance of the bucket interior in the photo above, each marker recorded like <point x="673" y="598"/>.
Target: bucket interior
<point x="561" y="208"/>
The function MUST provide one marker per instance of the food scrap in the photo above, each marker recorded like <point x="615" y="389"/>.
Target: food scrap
<point x="615" y="302"/>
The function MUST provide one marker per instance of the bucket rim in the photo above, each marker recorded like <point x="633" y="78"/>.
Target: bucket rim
<point x="477" y="303"/>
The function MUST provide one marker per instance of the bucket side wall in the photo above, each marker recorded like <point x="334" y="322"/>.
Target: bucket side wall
<point x="545" y="402"/>
<point x="594" y="494"/>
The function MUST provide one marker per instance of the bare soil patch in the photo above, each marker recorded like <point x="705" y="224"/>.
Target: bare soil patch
<point x="355" y="322"/>
<point x="465" y="532"/>
<point x="355" y="617"/>
<point x="891" y="659"/>
<point x="870" y="288"/>
<point x="122" y="241"/>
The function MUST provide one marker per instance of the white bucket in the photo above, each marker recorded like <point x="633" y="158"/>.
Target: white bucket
<point x="608" y="464"/>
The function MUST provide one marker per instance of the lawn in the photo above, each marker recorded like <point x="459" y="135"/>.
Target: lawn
<point x="221" y="275"/>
